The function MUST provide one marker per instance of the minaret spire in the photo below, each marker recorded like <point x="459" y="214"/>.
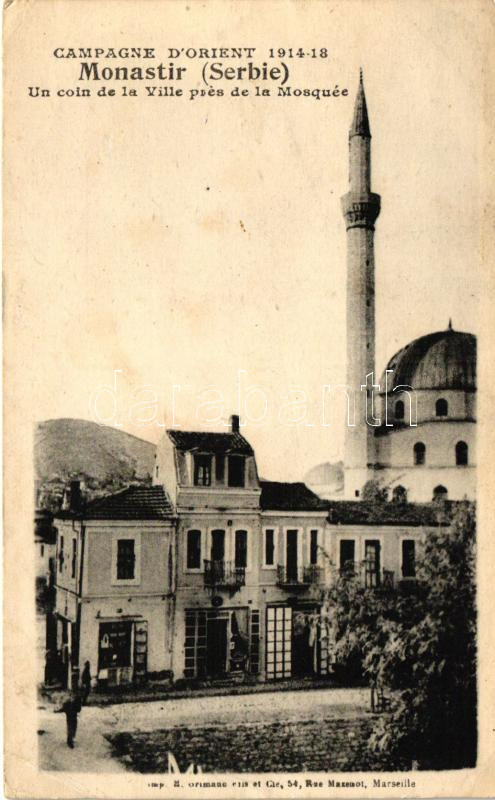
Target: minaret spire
<point x="361" y="208"/>
<point x="360" y="122"/>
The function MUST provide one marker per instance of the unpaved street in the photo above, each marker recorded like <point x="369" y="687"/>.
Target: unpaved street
<point x="92" y="752"/>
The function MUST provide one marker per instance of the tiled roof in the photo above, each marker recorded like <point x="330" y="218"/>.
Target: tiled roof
<point x="277" y="496"/>
<point x="210" y="442"/>
<point x="360" y="512"/>
<point x="137" y="502"/>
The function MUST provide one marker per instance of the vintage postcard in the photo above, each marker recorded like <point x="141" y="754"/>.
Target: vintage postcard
<point x="248" y="291"/>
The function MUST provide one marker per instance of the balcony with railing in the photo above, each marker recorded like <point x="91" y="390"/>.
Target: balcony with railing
<point x="368" y="574"/>
<point x="298" y="577"/>
<point x="224" y="574"/>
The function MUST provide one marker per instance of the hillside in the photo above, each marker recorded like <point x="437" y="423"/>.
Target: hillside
<point x="68" y="447"/>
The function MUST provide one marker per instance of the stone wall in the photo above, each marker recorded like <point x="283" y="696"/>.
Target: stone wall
<point x="335" y="745"/>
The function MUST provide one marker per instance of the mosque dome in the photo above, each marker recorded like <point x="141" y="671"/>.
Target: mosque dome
<point x="442" y="360"/>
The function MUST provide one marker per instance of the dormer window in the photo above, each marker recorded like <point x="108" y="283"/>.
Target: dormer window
<point x="219" y="468"/>
<point x="236" y="470"/>
<point x="202" y="470"/>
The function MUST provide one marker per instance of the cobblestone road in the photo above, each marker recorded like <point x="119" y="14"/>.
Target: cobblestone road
<point x="267" y="712"/>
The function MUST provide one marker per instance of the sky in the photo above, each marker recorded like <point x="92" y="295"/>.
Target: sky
<point x="182" y="241"/>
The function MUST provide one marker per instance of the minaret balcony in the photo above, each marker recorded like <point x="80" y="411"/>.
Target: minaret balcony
<point x="360" y="210"/>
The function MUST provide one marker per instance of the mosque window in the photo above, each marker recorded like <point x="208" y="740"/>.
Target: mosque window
<point x="399" y="494"/>
<point x="461" y="454"/>
<point x="399" y="409"/>
<point x="419" y="453"/>
<point x="441" y="407"/>
<point x="440" y="493"/>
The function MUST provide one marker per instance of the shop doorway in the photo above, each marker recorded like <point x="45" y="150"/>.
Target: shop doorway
<point x="216" y="648"/>
<point x="114" y="653"/>
<point x="305" y="642"/>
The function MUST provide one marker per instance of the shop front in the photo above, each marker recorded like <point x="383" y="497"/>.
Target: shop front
<point x="296" y="642"/>
<point x="221" y="643"/>
<point x="122" y="652"/>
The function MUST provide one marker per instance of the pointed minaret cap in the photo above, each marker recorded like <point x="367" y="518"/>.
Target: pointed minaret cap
<point x="450" y="328"/>
<point x="360" y="122"/>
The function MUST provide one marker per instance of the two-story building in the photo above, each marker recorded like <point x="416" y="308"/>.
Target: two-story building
<point x="214" y="574"/>
<point x="115" y="586"/>
<point x="248" y="552"/>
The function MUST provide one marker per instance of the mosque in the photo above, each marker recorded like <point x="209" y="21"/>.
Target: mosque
<point x="424" y="446"/>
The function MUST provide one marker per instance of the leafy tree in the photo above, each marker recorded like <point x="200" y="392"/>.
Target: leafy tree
<point x="374" y="492"/>
<point x="419" y="644"/>
<point x="430" y="657"/>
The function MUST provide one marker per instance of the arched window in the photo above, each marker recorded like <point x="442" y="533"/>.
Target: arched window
<point x="399" y="409"/>
<point x="440" y="493"/>
<point x="419" y="453"/>
<point x="461" y="454"/>
<point x="399" y="494"/>
<point x="441" y="407"/>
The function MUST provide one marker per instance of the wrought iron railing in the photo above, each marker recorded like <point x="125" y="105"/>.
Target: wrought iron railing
<point x="298" y="576"/>
<point x="368" y="574"/>
<point x="224" y="573"/>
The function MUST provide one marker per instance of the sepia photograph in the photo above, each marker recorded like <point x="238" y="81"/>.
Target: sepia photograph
<point x="245" y="279"/>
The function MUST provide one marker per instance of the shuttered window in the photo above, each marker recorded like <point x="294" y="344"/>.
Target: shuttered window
<point x="408" y="558"/>
<point x="193" y="559"/>
<point x="313" y="547"/>
<point x="269" y="547"/>
<point x="74" y="558"/>
<point x="241" y="548"/>
<point x="347" y="554"/>
<point x="202" y="470"/>
<point x="126" y="559"/>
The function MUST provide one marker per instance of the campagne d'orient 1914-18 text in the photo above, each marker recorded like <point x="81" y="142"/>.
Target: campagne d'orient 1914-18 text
<point x="93" y="66"/>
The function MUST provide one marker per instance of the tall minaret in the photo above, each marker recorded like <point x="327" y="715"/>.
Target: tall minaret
<point x="360" y="208"/>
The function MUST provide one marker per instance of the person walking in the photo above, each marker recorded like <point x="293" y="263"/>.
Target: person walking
<point x="86" y="682"/>
<point x="71" y="709"/>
